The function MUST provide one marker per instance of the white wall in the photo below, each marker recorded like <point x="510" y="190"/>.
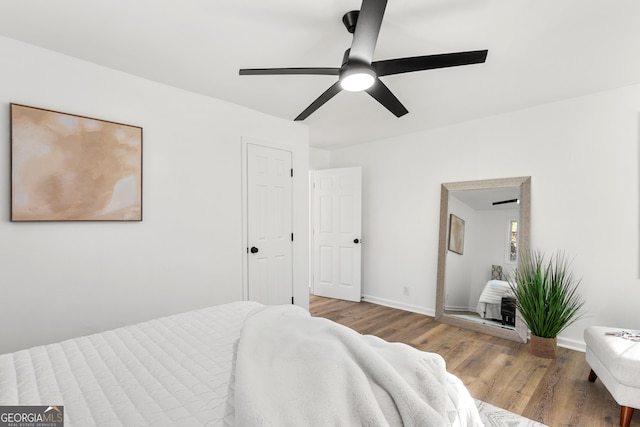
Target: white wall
<point x="459" y="267"/>
<point x="582" y="155"/>
<point x="485" y="245"/>
<point x="319" y="159"/>
<point x="59" y="280"/>
<point x="491" y="248"/>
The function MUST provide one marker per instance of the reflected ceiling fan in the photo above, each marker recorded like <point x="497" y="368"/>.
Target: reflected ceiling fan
<point x="504" y="202"/>
<point x="360" y="73"/>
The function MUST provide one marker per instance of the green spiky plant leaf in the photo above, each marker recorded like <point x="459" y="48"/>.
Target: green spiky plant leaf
<point x="546" y="294"/>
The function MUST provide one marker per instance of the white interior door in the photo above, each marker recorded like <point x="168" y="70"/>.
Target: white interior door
<point x="337" y="206"/>
<point x="269" y="227"/>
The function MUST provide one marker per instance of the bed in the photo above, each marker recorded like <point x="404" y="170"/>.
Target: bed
<point x="490" y="301"/>
<point x="237" y="364"/>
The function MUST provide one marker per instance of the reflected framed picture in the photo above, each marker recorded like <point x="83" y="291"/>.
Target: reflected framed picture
<point x="456" y="234"/>
<point x="66" y="167"/>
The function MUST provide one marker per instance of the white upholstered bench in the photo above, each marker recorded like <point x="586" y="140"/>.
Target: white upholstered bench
<point x="616" y="361"/>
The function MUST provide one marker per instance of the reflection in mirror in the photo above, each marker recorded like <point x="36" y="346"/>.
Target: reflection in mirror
<point x="484" y="226"/>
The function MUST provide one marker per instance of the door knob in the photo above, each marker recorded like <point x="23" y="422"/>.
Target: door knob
<point x="356" y="241"/>
<point x="254" y="250"/>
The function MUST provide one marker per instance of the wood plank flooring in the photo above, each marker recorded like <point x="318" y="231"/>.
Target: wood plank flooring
<point x="500" y="372"/>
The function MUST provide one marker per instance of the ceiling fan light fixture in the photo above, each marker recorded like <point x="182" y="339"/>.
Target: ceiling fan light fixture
<point x="357" y="79"/>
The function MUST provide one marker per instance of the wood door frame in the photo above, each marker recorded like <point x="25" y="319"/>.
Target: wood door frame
<point x="245" y="214"/>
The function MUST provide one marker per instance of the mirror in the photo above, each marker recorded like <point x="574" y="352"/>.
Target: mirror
<point x="484" y="227"/>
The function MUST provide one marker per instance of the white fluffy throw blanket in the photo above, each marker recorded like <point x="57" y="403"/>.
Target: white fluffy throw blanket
<point x="296" y="370"/>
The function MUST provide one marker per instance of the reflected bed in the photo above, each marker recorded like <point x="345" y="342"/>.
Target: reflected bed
<point x="491" y="299"/>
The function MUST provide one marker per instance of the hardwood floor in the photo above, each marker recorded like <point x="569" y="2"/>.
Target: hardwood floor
<point x="500" y="372"/>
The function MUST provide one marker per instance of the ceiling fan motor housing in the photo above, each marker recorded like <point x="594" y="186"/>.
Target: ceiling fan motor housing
<point x="350" y="19"/>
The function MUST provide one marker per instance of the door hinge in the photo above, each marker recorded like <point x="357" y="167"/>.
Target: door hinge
<point x="291" y="300"/>
<point x="292" y="237"/>
<point x="292" y="172"/>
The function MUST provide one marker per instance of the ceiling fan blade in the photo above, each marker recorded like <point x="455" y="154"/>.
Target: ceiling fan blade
<point x="429" y="62"/>
<point x="323" y="71"/>
<point x="367" y="29"/>
<point x="502" y="202"/>
<point x="383" y="95"/>
<point x="319" y="102"/>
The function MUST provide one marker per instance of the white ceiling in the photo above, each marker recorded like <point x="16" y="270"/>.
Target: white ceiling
<point x="483" y="199"/>
<point x="539" y="51"/>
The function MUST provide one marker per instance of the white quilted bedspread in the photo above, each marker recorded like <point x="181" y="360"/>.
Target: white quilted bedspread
<point x="172" y="371"/>
<point x="494" y="291"/>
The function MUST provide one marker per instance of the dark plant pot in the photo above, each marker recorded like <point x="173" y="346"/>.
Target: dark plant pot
<point x="544" y="347"/>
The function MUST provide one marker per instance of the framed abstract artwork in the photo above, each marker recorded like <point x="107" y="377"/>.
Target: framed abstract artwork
<point x="456" y="234"/>
<point x="66" y="167"/>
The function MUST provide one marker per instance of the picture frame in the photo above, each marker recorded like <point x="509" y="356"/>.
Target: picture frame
<point x="456" y="234"/>
<point x="66" y="167"/>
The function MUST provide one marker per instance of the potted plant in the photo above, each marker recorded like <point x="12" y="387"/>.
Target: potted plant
<point x="546" y="298"/>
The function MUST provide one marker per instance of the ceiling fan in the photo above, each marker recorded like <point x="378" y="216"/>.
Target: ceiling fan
<point x="360" y="73"/>
<point x="503" y="202"/>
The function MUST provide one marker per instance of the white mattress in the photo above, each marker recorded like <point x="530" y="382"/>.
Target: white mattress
<point x="172" y="371"/>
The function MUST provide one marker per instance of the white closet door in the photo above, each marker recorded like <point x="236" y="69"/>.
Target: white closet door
<point x="336" y="233"/>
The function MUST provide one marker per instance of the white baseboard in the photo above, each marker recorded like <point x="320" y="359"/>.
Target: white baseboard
<point x="399" y="305"/>
<point x="572" y="344"/>
<point x="459" y="308"/>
